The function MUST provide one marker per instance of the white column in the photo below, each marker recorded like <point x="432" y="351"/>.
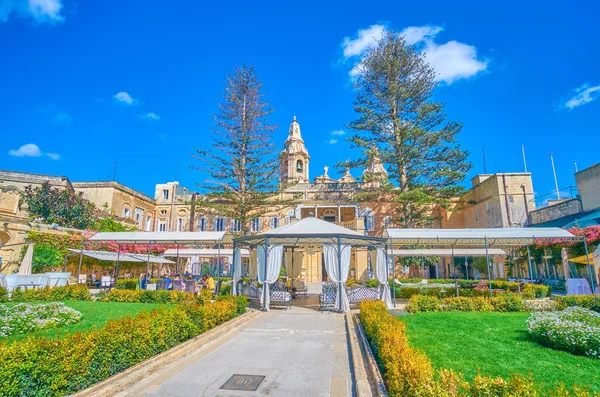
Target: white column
<point x="339" y="213"/>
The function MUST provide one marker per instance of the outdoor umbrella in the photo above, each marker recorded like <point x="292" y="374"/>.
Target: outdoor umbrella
<point x="25" y="267"/>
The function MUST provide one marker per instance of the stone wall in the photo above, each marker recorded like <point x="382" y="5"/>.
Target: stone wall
<point x="588" y="186"/>
<point x="556" y="211"/>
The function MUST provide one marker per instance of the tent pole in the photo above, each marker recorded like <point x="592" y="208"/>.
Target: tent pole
<point x="393" y="271"/>
<point x="147" y="264"/>
<point x="233" y="286"/>
<point x="587" y="258"/>
<point x="292" y="267"/>
<point x="455" y="275"/>
<point x="530" y="272"/>
<point x="340" y="286"/>
<point x="219" y="259"/>
<point x="117" y="267"/>
<point x="487" y="259"/>
<point x="265" y="284"/>
<point x="80" y="259"/>
<point x="177" y="262"/>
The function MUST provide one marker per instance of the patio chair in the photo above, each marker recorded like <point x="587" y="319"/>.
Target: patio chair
<point x="218" y="287"/>
<point x="190" y="286"/>
<point x="82" y="279"/>
<point x="327" y="297"/>
<point x="162" y="284"/>
<point x="281" y="299"/>
<point x="301" y="288"/>
<point x="178" y="285"/>
<point x="151" y="287"/>
<point x="106" y="282"/>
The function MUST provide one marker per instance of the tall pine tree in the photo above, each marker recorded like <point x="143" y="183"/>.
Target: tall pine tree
<point x="399" y="120"/>
<point x="242" y="165"/>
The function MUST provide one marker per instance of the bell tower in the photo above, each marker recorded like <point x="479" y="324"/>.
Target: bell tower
<point x="294" y="158"/>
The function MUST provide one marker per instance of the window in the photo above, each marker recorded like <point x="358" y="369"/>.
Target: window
<point x="511" y="199"/>
<point x="274" y="222"/>
<point x="148" y="223"/>
<point x="180" y="224"/>
<point x="387" y="221"/>
<point x="126" y="212"/>
<point x="369" y="219"/>
<point x="165" y="194"/>
<point x="163" y="212"/>
<point x="330" y="215"/>
<point x="161" y="225"/>
<point x="236" y="226"/>
<point x="201" y="226"/>
<point x="299" y="167"/>
<point x="219" y="225"/>
<point x="139" y="216"/>
<point x="487" y="207"/>
<point x="255" y="225"/>
<point x="290" y="214"/>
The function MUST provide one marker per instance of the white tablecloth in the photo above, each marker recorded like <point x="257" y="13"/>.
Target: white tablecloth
<point x="578" y="286"/>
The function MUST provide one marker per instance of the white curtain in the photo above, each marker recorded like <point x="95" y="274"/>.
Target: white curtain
<point x="268" y="269"/>
<point x="381" y="273"/>
<point x="293" y="268"/>
<point x="237" y="269"/>
<point x="330" y="252"/>
<point x="253" y="269"/>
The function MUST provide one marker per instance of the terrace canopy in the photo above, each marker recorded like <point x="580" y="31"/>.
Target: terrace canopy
<point x="118" y="257"/>
<point x="189" y="239"/>
<point x="488" y="238"/>
<point x="336" y="241"/>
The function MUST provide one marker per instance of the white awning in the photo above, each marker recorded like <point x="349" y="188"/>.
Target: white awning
<point x="188" y="238"/>
<point x="477" y="237"/>
<point x="122" y="257"/>
<point x="461" y="252"/>
<point x="203" y="252"/>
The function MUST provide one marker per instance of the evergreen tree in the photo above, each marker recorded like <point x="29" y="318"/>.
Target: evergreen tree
<point x="242" y="165"/>
<point x="408" y="129"/>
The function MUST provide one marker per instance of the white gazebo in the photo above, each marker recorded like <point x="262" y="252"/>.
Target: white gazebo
<point x="336" y="241"/>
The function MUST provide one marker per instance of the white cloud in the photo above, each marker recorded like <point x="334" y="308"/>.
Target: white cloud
<point x="451" y="61"/>
<point x="125" y="98"/>
<point x="366" y="39"/>
<point x="42" y="11"/>
<point x="338" y="132"/>
<point x="150" y="116"/>
<point x="332" y="141"/>
<point x="62" y="117"/>
<point x="585" y="94"/>
<point x="31" y="150"/>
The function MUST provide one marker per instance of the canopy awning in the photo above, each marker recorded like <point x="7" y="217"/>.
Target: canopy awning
<point x="311" y="231"/>
<point x="499" y="237"/>
<point x="122" y="257"/>
<point x="204" y="252"/>
<point x="448" y="252"/>
<point x="187" y="238"/>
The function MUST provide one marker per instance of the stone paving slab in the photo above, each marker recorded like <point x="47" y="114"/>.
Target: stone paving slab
<point x="300" y="352"/>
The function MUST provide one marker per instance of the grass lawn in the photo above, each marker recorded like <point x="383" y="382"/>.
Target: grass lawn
<point x="95" y="315"/>
<point x="496" y="344"/>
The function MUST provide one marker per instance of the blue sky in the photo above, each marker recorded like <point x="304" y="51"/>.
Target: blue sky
<point x="83" y="81"/>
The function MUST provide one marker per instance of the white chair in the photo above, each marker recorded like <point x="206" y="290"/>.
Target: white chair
<point x="151" y="287"/>
<point x="106" y="282"/>
<point x="82" y="279"/>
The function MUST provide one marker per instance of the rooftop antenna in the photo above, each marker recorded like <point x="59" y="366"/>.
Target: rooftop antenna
<point x="555" y="180"/>
<point x="115" y="168"/>
<point x="484" y="165"/>
<point x="576" y="169"/>
<point x="524" y="160"/>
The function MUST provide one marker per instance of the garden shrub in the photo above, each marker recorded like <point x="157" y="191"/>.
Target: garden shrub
<point x="464" y="304"/>
<point x="145" y="296"/>
<point x="541" y="291"/>
<point x="27" y="317"/>
<point x="540" y="305"/>
<point x="3" y="294"/>
<point x="127" y="284"/>
<point x="51" y="367"/>
<point x="47" y="294"/>
<point x="591" y="302"/>
<point x="423" y="303"/>
<point x="575" y="329"/>
<point x="507" y="302"/>
<point x="408" y="372"/>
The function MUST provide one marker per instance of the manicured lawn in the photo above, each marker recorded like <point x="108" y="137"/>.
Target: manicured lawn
<point x="496" y="344"/>
<point x="95" y="315"/>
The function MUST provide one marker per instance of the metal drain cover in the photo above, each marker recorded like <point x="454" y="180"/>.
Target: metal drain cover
<point x="243" y="382"/>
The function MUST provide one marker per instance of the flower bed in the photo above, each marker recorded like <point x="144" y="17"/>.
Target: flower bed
<point x="56" y="367"/>
<point x="406" y="290"/>
<point x="26" y="317"/>
<point x="575" y="329"/>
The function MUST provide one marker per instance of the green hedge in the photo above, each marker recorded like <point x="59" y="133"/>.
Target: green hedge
<point x="47" y="294"/>
<point x="500" y="303"/>
<point x="591" y="302"/>
<point x="541" y="291"/>
<point x="57" y="367"/>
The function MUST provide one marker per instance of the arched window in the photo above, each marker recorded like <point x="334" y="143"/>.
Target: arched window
<point x="201" y="225"/>
<point x="299" y="167"/>
<point x="369" y="219"/>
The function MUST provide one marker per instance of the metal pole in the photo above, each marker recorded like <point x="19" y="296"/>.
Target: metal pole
<point x="80" y="260"/>
<point x="530" y="271"/>
<point x="387" y="268"/>
<point x="587" y="258"/>
<point x="219" y="259"/>
<point x="147" y="264"/>
<point x="233" y="286"/>
<point x="340" y="285"/>
<point x="292" y="283"/>
<point x="555" y="180"/>
<point x="177" y="261"/>
<point x="524" y="160"/>
<point x="393" y="271"/>
<point x="265" y="284"/>
<point x="117" y="267"/>
<point x="455" y="275"/>
<point x="487" y="259"/>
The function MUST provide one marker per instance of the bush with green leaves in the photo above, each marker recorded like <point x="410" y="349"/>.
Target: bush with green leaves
<point x="575" y="329"/>
<point x="591" y="302"/>
<point x="45" y="257"/>
<point x="47" y="294"/>
<point x="500" y="303"/>
<point x="28" y="317"/>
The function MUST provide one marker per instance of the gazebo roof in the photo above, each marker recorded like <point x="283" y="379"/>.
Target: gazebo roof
<point x="121" y="257"/>
<point x="495" y="237"/>
<point x="310" y="231"/>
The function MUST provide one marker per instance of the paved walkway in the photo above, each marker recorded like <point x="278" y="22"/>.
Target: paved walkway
<point x="301" y="352"/>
